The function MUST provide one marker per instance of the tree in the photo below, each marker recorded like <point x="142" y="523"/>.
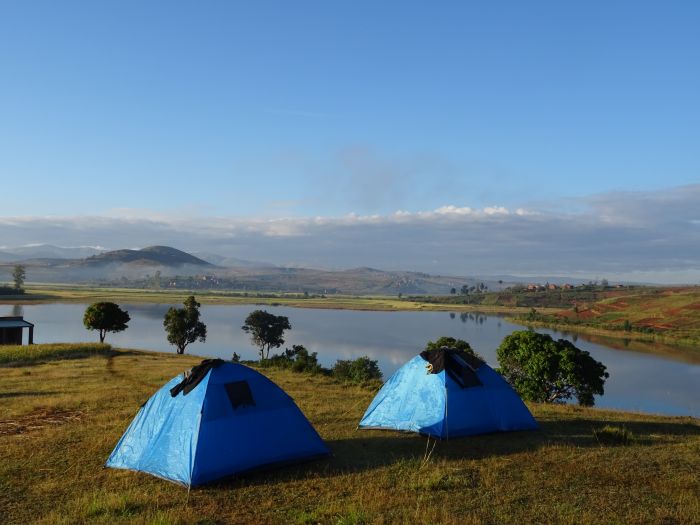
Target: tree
<point x="105" y="317"/>
<point x="548" y="371"/>
<point x="464" y="290"/>
<point x="453" y="291"/>
<point x="183" y="325"/>
<point x="18" y="276"/>
<point x="266" y="330"/>
<point x="451" y="343"/>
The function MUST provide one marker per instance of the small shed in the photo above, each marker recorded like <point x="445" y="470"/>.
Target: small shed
<point x="11" y="330"/>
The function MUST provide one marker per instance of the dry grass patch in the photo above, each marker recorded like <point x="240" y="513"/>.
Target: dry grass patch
<point x="39" y="419"/>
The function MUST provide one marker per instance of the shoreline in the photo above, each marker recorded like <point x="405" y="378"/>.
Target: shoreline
<point x="665" y="345"/>
<point x="680" y="348"/>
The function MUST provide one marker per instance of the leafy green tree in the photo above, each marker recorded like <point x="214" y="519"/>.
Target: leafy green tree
<point x="548" y="371"/>
<point x="452" y="344"/>
<point x="18" y="275"/>
<point x="266" y="330"/>
<point x="183" y="325"/>
<point x="105" y="317"/>
<point x="453" y="291"/>
<point x="464" y="290"/>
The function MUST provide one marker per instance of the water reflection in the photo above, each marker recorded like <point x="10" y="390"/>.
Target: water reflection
<point x="638" y="381"/>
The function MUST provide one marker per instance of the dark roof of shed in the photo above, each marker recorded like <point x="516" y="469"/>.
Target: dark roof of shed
<point x="14" y="322"/>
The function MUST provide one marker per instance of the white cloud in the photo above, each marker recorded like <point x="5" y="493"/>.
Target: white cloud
<point x="617" y="235"/>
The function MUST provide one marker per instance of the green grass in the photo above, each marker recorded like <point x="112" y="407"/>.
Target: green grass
<point x="35" y="354"/>
<point x="61" y="418"/>
<point x="659" y="320"/>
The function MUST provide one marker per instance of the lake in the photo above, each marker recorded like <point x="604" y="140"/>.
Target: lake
<point x="638" y="381"/>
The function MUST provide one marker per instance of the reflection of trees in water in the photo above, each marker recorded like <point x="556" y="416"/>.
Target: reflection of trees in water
<point x="452" y="315"/>
<point x="475" y="318"/>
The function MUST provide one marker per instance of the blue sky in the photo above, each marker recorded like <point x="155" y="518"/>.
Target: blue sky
<point x="304" y="109"/>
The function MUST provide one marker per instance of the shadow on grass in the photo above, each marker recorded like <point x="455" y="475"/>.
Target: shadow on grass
<point x="34" y="360"/>
<point x="579" y="432"/>
<point x="5" y="395"/>
<point x="376" y="449"/>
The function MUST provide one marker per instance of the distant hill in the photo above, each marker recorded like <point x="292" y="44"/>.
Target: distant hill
<point x="47" y="251"/>
<point x="231" y="262"/>
<point x="150" y="256"/>
<point x="361" y="281"/>
<point x="46" y="263"/>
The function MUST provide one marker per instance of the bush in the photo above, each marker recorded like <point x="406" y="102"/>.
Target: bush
<point x="8" y="290"/>
<point x="302" y="360"/>
<point x="298" y="359"/>
<point x="361" y="370"/>
<point x="451" y="343"/>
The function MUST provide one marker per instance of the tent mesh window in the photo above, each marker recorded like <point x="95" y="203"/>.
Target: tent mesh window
<point x="462" y="372"/>
<point x="239" y="394"/>
<point x="460" y="366"/>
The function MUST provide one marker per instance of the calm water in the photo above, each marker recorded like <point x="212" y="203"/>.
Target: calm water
<point x="638" y="381"/>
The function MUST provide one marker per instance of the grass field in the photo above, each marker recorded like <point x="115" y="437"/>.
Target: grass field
<point x="61" y="418"/>
<point x="654" y="315"/>
<point x="674" y="310"/>
<point x="82" y="294"/>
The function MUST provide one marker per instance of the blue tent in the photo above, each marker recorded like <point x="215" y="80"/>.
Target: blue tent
<point x="218" y="420"/>
<point x="444" y="394"/>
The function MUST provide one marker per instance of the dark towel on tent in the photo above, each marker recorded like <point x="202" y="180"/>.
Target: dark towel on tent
<point x="194" y="376"/>
<point x="461" y="366"/>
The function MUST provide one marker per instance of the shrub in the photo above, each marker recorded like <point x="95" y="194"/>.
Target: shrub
<point x="298" y="359"/>
<point x="7" y="290"/>
<point x="360" y="370"/>
<point x="451" y="343"/>
<point x="302" y="360"/>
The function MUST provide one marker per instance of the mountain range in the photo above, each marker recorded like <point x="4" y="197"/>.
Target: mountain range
<point x="47" y="263"/>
